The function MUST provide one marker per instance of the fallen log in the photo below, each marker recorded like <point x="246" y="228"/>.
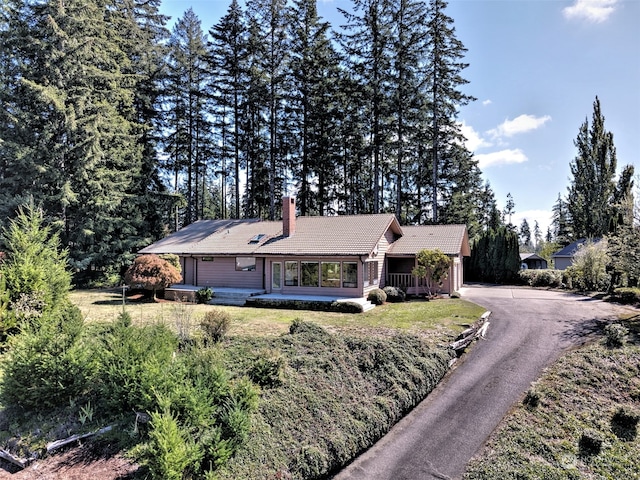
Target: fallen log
<point x="19" y="462"/>
<point x="477" y="330"/>
<point x="51" y="446"/>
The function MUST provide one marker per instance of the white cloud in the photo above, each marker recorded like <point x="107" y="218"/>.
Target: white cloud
<point x="473" y="139"/>
<point x="503" y="157"/>
<point x="521" y="124"/>
<point x="486" y="102"/>
<point x="596" y="11"/>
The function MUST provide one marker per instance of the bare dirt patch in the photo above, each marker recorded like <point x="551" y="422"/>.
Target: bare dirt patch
<point x="81" y="463"/>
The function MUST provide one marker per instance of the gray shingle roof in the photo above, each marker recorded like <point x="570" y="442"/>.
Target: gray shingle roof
<point x="450" y="239"/>
<point x="215" y="236"/>
<point x="338" y="235"/>
<point x="319" y="236"/>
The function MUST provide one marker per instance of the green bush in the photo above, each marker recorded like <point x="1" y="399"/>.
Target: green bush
<point x="204" y="295"/>
<point x="626" y="295"/>
<point x="624" y="423"/>
<point x="541" y="277"/>
<point x="134" y="363"/>
<point x="170" y="451"/>
<point x="616" y="335"/>
<point x="347" y="307"/>
<point x="268" y="369"/>
<point x="395" y="294"/>
<point x="532" y="398"/>
<point x="47" y="365"/>
<point x="301" y="327"/>
<point x="377" y="296"/>
<point x="215" y="325"/>
<point x="590" y="443"/>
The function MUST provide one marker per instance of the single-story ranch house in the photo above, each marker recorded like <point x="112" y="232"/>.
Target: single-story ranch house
<point x="339" y="256"/>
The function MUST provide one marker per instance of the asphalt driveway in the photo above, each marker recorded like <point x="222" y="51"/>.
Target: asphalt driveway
<point x="528" y="330"/>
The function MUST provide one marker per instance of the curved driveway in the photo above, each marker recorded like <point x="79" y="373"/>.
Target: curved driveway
<point x="528" y="330"/>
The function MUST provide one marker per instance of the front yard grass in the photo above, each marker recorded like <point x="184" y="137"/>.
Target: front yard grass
<point x="436" y="318"/>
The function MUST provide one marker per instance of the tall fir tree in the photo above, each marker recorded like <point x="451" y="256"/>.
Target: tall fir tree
<point x="366" y="43"/>
<point x="228" y="59"/>
<point x="444" y="82"/>
<point x="592" y="191"/>
<point x="75" y="147"/>
<point x="189" y="143"/>
<point x="269" y="50"/>
<point x="314" y="73"/>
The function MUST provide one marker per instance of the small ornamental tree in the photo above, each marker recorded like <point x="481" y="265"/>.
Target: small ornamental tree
<point x="433" y="266"/>
<point x="151" y="273"/>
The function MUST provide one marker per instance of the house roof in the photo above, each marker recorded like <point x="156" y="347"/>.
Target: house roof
<point x="337" y="235"/>
<point x="209" y="236"/>
<point x="571" y="249"/>
<point x="314" y="236"/>
<point x="531" y="256"/>
<point x="450" y="239"/>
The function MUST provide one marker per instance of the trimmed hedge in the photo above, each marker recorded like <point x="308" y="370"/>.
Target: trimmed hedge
<point x="541" y="277"/>
<point x="626" y="295"/>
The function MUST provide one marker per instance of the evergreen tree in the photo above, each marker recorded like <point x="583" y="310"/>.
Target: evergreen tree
<point x="509" y="209"/>
<point x="366" y="43"/>
<point x="494" y="257"/>
<point x="444" y="82"/>
<point x="189" y="143"/>
<point x="35" y="272"/>
<point x="560" y="222"/>
<point x="228" y="60"/>
<point x="525" y="234"/>
<point x="537" y="234"/>
<point x="312" y="100"/>
<point x="73" y="144"/>
<point x="269" y="50"/>
<point x="593" y="189"/>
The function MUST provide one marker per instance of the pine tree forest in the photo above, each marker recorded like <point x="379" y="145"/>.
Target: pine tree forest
<point x="124" y="130"/>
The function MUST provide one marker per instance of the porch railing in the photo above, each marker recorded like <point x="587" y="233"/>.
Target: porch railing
<point x="403" y="280"/>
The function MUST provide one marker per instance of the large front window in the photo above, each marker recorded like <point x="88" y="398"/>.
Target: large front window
<point x="245" y="264"/>
<point x="349" y="274"/>
<point x="291" y="274"/>
<point x="330" y="274"/>
<point x="309" y="271"/>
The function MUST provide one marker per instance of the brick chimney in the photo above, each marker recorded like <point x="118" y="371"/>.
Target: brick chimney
<point x="288" y="216"/>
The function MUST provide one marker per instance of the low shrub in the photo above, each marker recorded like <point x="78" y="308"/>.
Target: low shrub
<point x="301" y="327"/>
<point x="133" y="364"/>
<point x="626" y="295"/>
<point x="347" y="307"/>
<point x="624" y="423"/>
<point x="204" y="295"/>
<point x="532" y="398"/>
<point x="215" y="325"/>
<point x="395" y="294"/>
<point x="47" y="364"/>
<point x="377" y="296"/>
<point x="541" y="277"/>
<point x="590" y="443"/>
<point x="268" y="369"/>
<point x="616" y="335"/>
<point x="170" y="451"/>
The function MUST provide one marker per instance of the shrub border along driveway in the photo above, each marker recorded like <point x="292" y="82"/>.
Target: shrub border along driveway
<point x="529" y="330"/>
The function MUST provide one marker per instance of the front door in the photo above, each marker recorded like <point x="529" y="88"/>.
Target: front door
<point x="276" y="276"/>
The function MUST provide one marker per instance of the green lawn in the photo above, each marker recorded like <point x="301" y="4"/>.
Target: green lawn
<point x="426" y="318"/>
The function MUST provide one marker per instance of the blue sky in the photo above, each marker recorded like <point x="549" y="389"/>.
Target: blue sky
<point x="536" y="67"/>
